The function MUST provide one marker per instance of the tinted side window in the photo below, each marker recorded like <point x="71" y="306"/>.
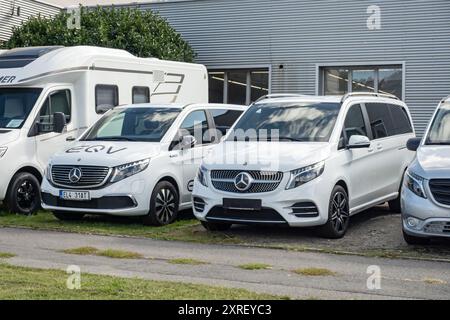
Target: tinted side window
<point x="401" y="121"/>
<point x="141" y="95"/>
<point x="380" y="118"/>
<point x="354" y="122"/>
<point x="224" y="119"/>
<point x="194" y="121"/>
<point x="106" y="97"/>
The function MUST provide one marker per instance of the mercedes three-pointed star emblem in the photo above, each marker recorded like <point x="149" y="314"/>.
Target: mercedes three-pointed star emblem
<point x="75" y="175"/>
<point x="243" y="181"/>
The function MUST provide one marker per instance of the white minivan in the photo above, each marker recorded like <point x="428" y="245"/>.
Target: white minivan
<point x="137" y="160"/>
<point x="306" y="161"/>
<point x="50" y="95"/>
<point x="426" y="191"/>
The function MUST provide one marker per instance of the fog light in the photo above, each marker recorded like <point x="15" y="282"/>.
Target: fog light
<point x="413" y="223"/>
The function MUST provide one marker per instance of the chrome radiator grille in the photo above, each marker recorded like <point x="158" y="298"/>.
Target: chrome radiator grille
<point x="440" y="188"/>
<point x="263" y="181"/>
<point x="91" y="176"/>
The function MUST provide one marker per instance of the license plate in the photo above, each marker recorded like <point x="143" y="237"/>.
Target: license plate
<point x="242" y="204"/>
<point x="75" y="195"/>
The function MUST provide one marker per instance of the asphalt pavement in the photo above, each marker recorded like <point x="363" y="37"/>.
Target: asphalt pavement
<point x="399" y="278"/>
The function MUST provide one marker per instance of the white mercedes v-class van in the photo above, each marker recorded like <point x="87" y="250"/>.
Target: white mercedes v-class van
<point x="306" y="161"/>
<point x="426" y="192"/>
<point x="137" y="160"/>
<point x="50" y="95"/>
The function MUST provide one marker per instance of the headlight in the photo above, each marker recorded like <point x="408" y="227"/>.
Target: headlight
<point x="415" y="183"/>
<point x="3" y="151"/>
<point x="129" y="169"/>
<point x="305" y="174"/>
<point x="201" y="175"/>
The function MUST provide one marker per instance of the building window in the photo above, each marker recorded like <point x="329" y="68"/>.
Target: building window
<point x="238" y="86"/>
<point x="382" y="79"/>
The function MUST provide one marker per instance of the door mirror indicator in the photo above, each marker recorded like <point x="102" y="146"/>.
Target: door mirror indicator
<point x="358" y="142"/>
<point x="413" y="144"/>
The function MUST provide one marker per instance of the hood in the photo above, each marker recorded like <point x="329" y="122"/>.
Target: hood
<point x="270" y="156"/>
<point x="8" y="136"/>
<point x="432" y="162"/>
<point x="106" y="153"/>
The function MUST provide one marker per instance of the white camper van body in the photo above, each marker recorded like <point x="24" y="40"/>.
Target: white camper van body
<point x="85" y="80"/>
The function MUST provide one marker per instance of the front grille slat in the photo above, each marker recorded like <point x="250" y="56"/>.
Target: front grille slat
<point x="91" y="176"/>
<point x="440" y="188"/>
<point x="437" y="227"/>
<point x="264" y="181"/>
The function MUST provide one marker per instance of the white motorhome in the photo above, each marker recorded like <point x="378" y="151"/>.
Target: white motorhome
<point x="50" y="95"/>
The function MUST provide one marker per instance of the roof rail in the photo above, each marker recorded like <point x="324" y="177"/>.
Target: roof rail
<point x="445" y="99"/>
<point x="372" y="94"/>
<point x="280" y="95"/>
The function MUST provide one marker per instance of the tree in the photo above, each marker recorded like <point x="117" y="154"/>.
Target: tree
<point x="142" y="33"/>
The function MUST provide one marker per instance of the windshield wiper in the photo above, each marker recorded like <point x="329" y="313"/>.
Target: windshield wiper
<point x="292" y="139"/>
<point x="438" y="143"/>
<point x="113" y="139"/>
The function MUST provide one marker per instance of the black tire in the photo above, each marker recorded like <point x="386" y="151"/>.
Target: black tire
<point x="216" y="226"/>
<point x="68" y="216"/>
<point x="24" y="194"/>
<point x="395" y="205"/>
<point x="338" y="215"/>
<point x="415" y="240"/>
<point x="164" y="204"/>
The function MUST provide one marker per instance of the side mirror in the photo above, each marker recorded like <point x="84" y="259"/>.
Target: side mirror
<point x="187" y="142"/>
<point x="59" y="122"/>
<point x="358" y="142"/>
<point x="413" y="144"/>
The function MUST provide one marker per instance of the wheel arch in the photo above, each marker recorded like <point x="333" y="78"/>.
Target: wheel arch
<point x="343" y="184"/>
<point x="173" y="181"/>
<point x="32" y="170"/>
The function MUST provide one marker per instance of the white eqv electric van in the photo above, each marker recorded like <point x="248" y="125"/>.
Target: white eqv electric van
<point x="50" y="95"/>
<point x="137" y="160"/>
<point x="306" y="161"/>
<point x="426" y="191"/>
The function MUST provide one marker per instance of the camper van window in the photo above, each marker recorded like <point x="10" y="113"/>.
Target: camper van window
<point x="57" y="101"/>
<point x="15" y="105"/>
<point x="141" y="95"/>
<point x="106" y="97"/>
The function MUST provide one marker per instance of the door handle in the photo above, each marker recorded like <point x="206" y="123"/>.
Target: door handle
<point x="379" y="147"/>
<point x="70" y="139"/>
<point x="370" y="150"/>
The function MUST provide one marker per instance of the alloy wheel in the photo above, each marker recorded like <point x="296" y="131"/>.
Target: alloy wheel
<point x="165" y="205"/>
<point x="340" y="213"/>
<point x="26" y="195"/>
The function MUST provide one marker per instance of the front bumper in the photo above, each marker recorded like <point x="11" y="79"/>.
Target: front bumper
<point x="277" y="205"/>
<point x="129" y="197"/>
<point x="434" y="219"/>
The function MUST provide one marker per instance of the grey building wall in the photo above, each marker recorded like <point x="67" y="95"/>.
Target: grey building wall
<point x="28" y="8"/>
<point x="300" y="34"/>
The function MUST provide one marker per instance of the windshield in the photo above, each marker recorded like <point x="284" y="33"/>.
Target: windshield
<point x="133" y="124"/>
<point x="306" y="121"/>
<point x="15" y="105"/>
<point x="440" y="127"/>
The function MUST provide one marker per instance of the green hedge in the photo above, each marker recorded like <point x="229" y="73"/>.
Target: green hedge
<point x="143" y="33"/>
